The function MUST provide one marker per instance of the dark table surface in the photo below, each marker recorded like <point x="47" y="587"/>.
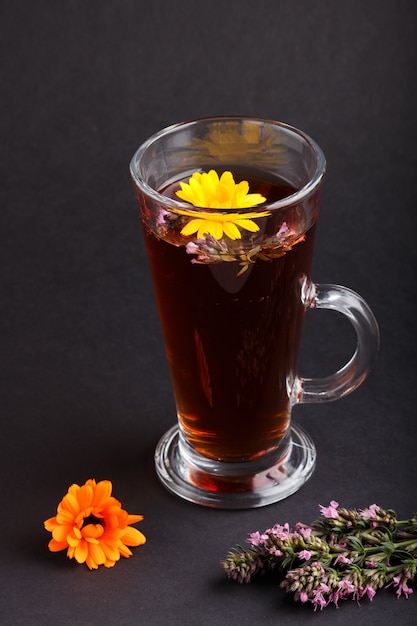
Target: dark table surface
<point x="85" y="389"/>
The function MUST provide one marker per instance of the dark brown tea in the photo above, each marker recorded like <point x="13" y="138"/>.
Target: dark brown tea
<point x="232" y="327"/>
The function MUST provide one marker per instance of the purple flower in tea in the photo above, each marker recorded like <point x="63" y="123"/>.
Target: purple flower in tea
<point x="166" y="221"/>
<point x="162" y="216"/>
<point x="209" y="250"/>
<point x="283" y="230"/>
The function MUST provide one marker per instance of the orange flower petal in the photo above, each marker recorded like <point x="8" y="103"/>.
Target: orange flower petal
<point x="73" y="540"/>
<point x="85" y="496"/>
<point x="57" y="546"/>
<point x="110" y="550"/>
<point x="124" y="551"/>
<point x="96" y="553"/>
<point x="91" y="563"/>
<point x="64" y="517"/>
<point x="70" y="503"/>
<point x="81" y="552"/>
<point x="92" y="531"/>
<point x="133" y="537"/>
<point x="133" y="519"/>
<point x="60" y="533"/>
<point x="102" y="492"/>
<point x="50" y="523"/>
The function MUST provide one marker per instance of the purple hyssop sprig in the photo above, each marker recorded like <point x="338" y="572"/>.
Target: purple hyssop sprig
<point x="344" y="554"/>
<point x="208" y="249"/>
<point x="211" y="250"/>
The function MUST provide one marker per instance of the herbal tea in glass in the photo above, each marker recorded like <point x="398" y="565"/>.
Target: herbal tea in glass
<point x="229" y="208"/>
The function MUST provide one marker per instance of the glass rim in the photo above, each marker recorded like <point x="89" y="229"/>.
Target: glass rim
<point x="170" y="203"/>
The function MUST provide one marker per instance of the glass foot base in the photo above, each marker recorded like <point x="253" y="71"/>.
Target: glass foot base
<point x="234" y="485"/>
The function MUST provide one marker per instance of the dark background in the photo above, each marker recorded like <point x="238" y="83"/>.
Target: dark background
<point x="85" y="390"/>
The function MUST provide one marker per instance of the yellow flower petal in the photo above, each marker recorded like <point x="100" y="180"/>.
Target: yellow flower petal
<point x="212" y="227"/>
<point x="247" y="225"/>
<point x="207" y="190"/>
<point x="241" y="192"/>
<point x="208" y="183"/>
<point x="197" y="192"/>
<point x="214" y="177"/>
<point x="251" y="200"/>
<point x="223" y="195"/>
<point x="191" y="227"/>
<point x="227" y="179"/>
<point x="231" y="230"/>
<point x="185" y="193"/>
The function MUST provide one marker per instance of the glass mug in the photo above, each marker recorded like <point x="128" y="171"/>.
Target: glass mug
<point x="232" y="287"/>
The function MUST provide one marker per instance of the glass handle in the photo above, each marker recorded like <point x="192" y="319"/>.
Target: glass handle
<point x="351" y="375"/>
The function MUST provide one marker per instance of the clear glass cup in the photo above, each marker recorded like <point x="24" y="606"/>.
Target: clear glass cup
<point x="232" y="288"/>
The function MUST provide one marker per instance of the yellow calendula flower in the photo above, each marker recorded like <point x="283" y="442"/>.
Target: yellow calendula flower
<point x="207" y="190"/>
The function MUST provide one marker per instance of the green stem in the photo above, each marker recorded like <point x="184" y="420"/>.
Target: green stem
<point x="407" y="543"/>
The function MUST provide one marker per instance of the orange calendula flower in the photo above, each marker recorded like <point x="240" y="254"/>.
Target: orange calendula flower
<point x="91" y="524"/>
<point x="207" y="190"/>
